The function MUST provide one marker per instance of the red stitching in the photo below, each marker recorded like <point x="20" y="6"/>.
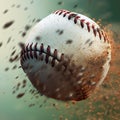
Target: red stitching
<point x="82" y="23"/>
<point x="30" y="51"/>
<point x="65" y="14"/>
<point x="62" y="57"/>
<point x="42" y="48"/>
<point x="99" y="32"/>
<point x="76" y="19"/>
<point x="35" y="47"/>
<point x="94" y="30"/>
<point x="27" y="50"/>
<point x="31" y="55"/>
<point x="72" y="15"/>
<point x="88" y="26"/>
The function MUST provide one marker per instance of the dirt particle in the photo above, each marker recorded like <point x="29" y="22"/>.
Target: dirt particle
<point x="40" y="106"/>
<point x="26" y="8"/>
<point x="27" y="27"/>
<point x="5" y="11"/>
<point x="20" y="95"/>
<point x="13" y="5"/>
<point x="38" y="38"/>
<point x="75" y="6"/>
<point x="9" y="39"/>
<point x="22" y="45"/>
<point x="31" y="105"/>
<point x="13" y="53"/>
<point x="60" y="3"/>
<point x="18" y="6"/>
<point x="8" y="24"/>
<point x="0" y="44"/>
<point x="60" y="32"/>
<point x="13" y="92"/>
<point x="16" y="77"/>
<point x="14" y="67"/>
<point x="13" y="59"/>
<point x="90" y="43"/>
<point x="32" y="2"/>
<point x="23" y="34"/>
<point x="69" y="41"/>
<point x="24" y="83"/>
<point x="33" y="20"/>
<point x="87" y="41"/>
<point x="18" y="85"/>
<point x="38" y="20"/>
<point x="7" y="68"/>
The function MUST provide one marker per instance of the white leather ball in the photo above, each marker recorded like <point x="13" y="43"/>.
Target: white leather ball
<point x="66" y="56"/>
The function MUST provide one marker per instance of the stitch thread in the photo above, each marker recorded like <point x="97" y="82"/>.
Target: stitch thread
<point x="82" y="23"/>
<point x="31" y="51"/>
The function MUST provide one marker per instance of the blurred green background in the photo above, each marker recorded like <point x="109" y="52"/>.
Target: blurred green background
<point x="103" y="105"/>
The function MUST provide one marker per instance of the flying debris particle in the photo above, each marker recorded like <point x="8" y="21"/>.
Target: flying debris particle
<point x="31" y="105"/>
<point x="0" y="44"/>
<point x="13" y="59"/>
<point x="14" y="67"/>
<point x="19" y="67"/>
<point x="32" y="2"/>
<point x="18" y="6"/>
<point x="5" y="11"/>
<point x="38" y="20"/>
<point x="45" y="101"/>
<point x="13" y="53"/>
<point x="22" y="45"/>
<point x="7" y="68"/>
<point x="18" y="85"/>
<point x="40" y="106"/>
<point x="24" y="83"/>
<point x="13" y="92"/>
<point x="38" y="38"/>
<point x="104" y="85"/>
<point x="33" y="20"/>
<point x="26" y="8"/>
<point x="61" y="117"/>
<point x="75" y="6"/>
<point x="69" y="41"/>
<point x="87" y="41"/>
<point x="20" y="95"/>
<point x="27" y="27"/>
<point x="36" y="97"/>
<point x="56" y="106"/>
<point x="60" y="3"/>
<point x="23" y="34"/>
<point x="13" y="48"/>
<point x="32" y="91"/>
<point x="8" y="24"/>
<point x="9" y="39"/>
<point x="16" y="77"/>
<point x="73" y="102"/>
<point x="13" y="5"/>
<point x="60" y="32"/>
<point x="90" y="43"/>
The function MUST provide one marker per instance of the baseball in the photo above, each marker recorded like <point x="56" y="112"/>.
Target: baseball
<point x="66" y="56"/>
